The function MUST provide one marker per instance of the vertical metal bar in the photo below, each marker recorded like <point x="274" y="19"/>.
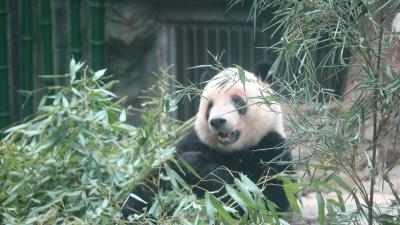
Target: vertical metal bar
<point x="75" y="28"/>
<point x="185" y="56"/>
<point x="179" y="71"/>
<point x="62" y="52"/>
<point x="195" y="52"/>
<point x="206" y="45"/>
<point x="15" y="58"/>
<point x="258" y="53"/>
<point x="252" y="40"/>
<point x="196" y="78"/>
<point x="4" y="90"/>
<point x="217" y="40"/>
<point x="186" y="105"/>
<point x="97" y="33"/>
<point x="240" y="44"/>
<point x="228" y="50"/>
<point x="265" y="42"/>
<point x="47" y="39"/>
<point x="27" y="54"/>
<point x="172" y="58"/>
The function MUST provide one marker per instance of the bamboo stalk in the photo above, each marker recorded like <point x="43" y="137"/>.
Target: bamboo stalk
<point x="97" y="33"/>
<point x="4" y="91"/>
<point x="375" y="99"/>
<point x="27" y="54"/>
<point x="47" y="39"/>
<point x="75" y="24"/>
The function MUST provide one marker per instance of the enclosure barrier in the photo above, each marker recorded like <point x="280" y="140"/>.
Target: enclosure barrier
<point x="27" y="48"/>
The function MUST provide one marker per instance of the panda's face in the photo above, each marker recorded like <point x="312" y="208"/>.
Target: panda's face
<point x="223" y="115"/>
<point x="233" y="116"/>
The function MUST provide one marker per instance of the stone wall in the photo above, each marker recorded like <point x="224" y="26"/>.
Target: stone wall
<point x="131" y="33"/>
<point x="131" y="52"/>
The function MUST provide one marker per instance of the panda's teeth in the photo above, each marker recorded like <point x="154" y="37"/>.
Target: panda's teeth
<point x="224" y="136"/>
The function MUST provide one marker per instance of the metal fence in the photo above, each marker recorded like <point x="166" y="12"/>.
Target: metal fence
<point x="27" y="47"/>
<point x="239" y="43"/>
<point x="197" y="43"/>
<point x="30" y="43"/>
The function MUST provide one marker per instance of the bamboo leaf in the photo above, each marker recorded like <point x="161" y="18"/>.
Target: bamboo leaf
<point x="242" y="76"/>
<point x="189" y="167"/>
<point x="244" y="219"/>
<point x="272" y="208"/>
<point x="290" y="190"/>
<point x="74" y="68"/>
<point x="235" y="196"/>
<point x="244" y="189"/>
<point x="251" y="185"/>
<point x="220" y="209"/>
<point x="122" y="116"/>
<point x="99" y="74"/>
<point x="209" y="208"/>
<point x="321" y="208"/>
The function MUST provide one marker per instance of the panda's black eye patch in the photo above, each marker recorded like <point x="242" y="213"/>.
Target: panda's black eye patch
<point x="209" y="106"/>
<point x="240" y="104"/>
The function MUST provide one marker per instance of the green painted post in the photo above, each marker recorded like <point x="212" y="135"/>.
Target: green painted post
<point x="47" y="39"/>
<point x="75" y="28"/>
<point x="4" y="88"/>
<point x="97" y="33"/>
<point x="27" y="54"/>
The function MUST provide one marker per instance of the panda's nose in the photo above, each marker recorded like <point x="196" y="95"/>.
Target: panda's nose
<point x="218" y="122"/>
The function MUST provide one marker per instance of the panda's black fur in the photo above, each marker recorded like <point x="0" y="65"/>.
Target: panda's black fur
<point x="268" y="157"/>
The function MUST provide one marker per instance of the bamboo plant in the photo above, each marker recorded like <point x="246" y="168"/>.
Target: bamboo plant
<point x="4" y="92"/>
<point x="97" y="33"/>
<point x="47" y="39"/>
<point x="348" y="34"/>
<point x="27" y="55"/>
<point x="75" y="24"/>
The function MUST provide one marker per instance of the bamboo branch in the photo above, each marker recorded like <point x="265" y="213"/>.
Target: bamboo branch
<point x="375" y="128"/>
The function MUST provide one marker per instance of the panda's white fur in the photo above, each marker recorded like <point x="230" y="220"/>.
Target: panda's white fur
<point x="261" y="117"/>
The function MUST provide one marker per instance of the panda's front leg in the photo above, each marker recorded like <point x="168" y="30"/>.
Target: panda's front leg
<point x="140" y="197"/>
<point x="212" y="174"/>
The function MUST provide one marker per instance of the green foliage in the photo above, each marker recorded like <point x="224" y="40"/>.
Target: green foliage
<point x="319" y="39"/>
<point x="76" y="159"/>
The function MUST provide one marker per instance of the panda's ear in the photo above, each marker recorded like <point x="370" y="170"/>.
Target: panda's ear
<point x="261" y="70"/>
<point x="205" y="76"/>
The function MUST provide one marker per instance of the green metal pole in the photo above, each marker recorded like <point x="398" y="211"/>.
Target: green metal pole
<point x="75" y="26"/>
<point x="4" y="91"/>
<point x="27" y="54"/>
<point x="47" y="40"/>
<point x="97" y="33"/>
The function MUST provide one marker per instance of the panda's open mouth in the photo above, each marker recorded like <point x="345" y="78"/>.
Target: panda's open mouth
<point x="227" y="138"/>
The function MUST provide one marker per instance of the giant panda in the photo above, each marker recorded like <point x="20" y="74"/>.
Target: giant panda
<point x="238" y="129"/>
